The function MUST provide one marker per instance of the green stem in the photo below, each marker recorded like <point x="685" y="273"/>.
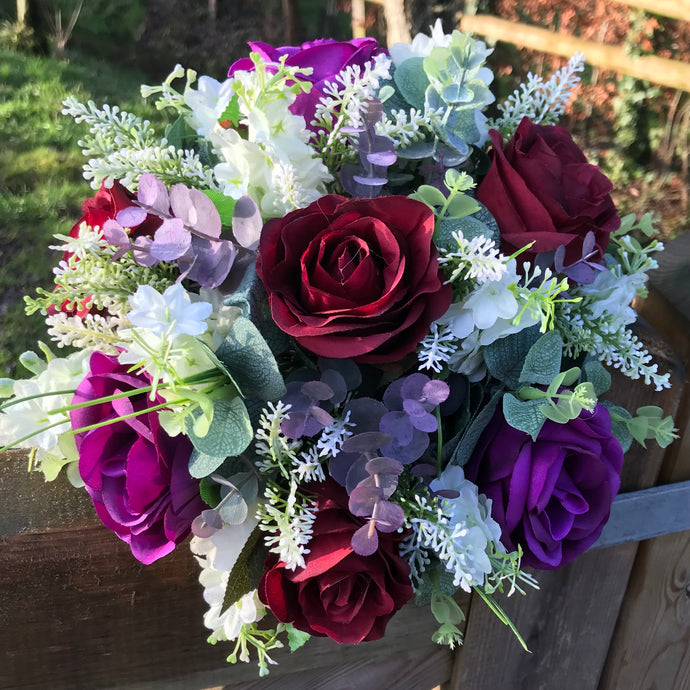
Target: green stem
<point x="27" y="398"/>
<point x="153" y="408"/>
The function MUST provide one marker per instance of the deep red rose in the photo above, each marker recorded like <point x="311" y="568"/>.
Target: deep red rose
<point x="106" y="204"/>
<point x="338" y="594"/>
<point x="354" y="278"/>
<point x="552" y="496"/>
<point x="541" y="188"/>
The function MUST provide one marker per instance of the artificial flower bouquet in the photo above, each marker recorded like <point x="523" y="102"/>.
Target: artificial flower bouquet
<point x="347" y="331"/>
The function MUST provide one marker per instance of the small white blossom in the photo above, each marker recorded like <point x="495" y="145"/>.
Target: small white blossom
<point x="170" y="314"/>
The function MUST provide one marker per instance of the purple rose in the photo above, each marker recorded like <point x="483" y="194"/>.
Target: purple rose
<point x="552" y="496"/>
<point x="326" y="56"/>
<point x="135" y="473"/>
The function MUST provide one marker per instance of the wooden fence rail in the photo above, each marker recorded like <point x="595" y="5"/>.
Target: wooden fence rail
<point x="650" y="67"/>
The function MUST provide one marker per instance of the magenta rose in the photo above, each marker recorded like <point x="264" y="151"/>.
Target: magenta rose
<point x="552" y="496"/>
<point x="541" y="188"/>
<point x="339" y="594"/>
<point x="134" y="472"/>
<point x="354" y="278"/>
<point x="327" y="58"/>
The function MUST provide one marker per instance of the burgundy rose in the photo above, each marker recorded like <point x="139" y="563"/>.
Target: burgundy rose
<point x="134" y="472"/>
<point x="327" y="58"/>
<point x="541" y="188"/>
<point x="552" y="496"/>
<point x="356" y="278"/>
<point x="338" y="594"/>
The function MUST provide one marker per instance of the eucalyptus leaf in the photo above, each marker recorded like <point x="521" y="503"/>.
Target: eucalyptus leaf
<point x="225" y="205"/>
<point x="525" y="415"/>
<point x="505" y="357"/>
<point x="201" y="465"/>
<point x="461" y="205"/>
<point x="543" y="360"/>
<point x="296" y="638"/>
<point x="230" y="432"/>
<point x="620" y="429"/>
<point x="411" y="81"/>
<point x="248" y="357"/>
<point x="234" y="509"/>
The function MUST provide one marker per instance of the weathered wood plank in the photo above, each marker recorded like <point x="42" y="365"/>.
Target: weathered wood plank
<point x="646" y="514"/>
<point x="651" y="644"/>
<point x="650" y="67"/>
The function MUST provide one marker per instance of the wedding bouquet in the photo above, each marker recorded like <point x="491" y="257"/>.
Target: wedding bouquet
<point x="348" y="331"/>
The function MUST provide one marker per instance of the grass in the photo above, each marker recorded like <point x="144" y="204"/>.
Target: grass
<point x="41" y="185"/>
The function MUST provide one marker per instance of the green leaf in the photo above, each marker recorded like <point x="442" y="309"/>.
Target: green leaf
<point x="225" y="205"/>
<point x="618" y="428"/>
<point x="296" y="638"/>
<point x="209" y="491"/>
<point x="247" y="571"/>
<point x="525" y="415"/>
<point x="594" y="372"/>
<point x="543" y="360"/>
<point x="461" y="205"/>
<point x="179" y="133"/>
<point x="469" y="440"/>
<point x="248" y="357"/>
<point x="505" y="357"/>
<point x="431" y="196"/>
<point x="201" y="465"/>
<point x="230" y="432"/>
<point x="411" y="81"/>
<point x="232" y="111"/>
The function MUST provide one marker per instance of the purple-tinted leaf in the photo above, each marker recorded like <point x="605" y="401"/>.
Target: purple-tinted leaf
<point x="141" y="250"/>
<point x="559" y="258"/>
<point x="411" y="451"/>
<point x="356" y="474"/>
<point x="195" y="209"/>
<point x="581" y="272"/>
<point x="365" y="541"/>
<point x="382" y="158"/>
<point x="212" y="518"/>
<point x="420" y="418"/>
<point x="346" y="368"/>
<point x="413" y="386"/>
<point x="247" y="223"/>
<point x="339" y="466"/>
<point x="293" y="425"/>
<point x="211" y="262"/>
<point x="383" y="465"/>
<point x="435" y="392"/>
<point x="321" y="416"/>
<point x="317" y="390"/>
<point x="372" y="112"/>
<point x="348" y="129"/>
<point x="115" y="234"/>
<point x="131" y="217"/>
<point x="588" y="244"/>
<point x="337" y="384"/>
<point x="365" y="413"/>
<point x="152" y="192"/>
<point x="398" y="425"/>
<point x="424" y="469"/>
<point x="447" y="493"/>
<point x="414" y="408"/>
<point x="366" y="442"/>
<point x="389" y="516"/>
<point x="392" y="397"/>
<point x="370" y="181"/>
<point x="202" y="529"/>
<point x="363" y="499"/>
<point x="171" y="240"/>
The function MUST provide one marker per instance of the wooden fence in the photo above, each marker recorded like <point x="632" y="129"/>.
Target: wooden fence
<point x="76" y="610"/>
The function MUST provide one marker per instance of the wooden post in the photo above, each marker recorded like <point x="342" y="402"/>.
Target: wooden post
<point x="358" y="19"/>
<point x="397" y="30"/>
<point x="22" y="8"/>
<point x="649" y="67"/>
<point x="675" y="9"/>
